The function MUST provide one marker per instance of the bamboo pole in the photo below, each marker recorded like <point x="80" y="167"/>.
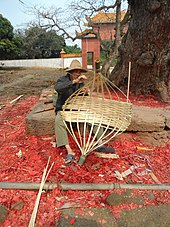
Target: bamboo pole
<point x="128" y="81"/>
<point x="81" y="186"/>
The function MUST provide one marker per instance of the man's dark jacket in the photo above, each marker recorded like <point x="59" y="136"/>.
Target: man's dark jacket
<point x="64" y="87"/>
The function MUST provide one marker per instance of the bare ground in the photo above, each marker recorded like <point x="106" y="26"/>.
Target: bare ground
<point x="27" y="81"/>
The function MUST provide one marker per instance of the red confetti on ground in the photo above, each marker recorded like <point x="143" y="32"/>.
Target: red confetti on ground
<point x="23" y="158"/>
<point x="72" y="221"/>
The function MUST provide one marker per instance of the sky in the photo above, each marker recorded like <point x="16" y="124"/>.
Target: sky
<point x="15" y="12"/>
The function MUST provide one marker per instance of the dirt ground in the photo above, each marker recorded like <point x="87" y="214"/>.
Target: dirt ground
<point x="31" y="81"/>
<point x="27" y="81"/>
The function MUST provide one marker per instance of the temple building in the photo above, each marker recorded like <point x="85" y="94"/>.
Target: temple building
<point x="104" y="24"/>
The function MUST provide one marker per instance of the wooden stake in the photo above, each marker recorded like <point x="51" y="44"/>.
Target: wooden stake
<point x="128" y="81"/>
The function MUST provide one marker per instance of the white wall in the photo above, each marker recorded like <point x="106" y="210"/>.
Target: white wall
<point x="50" y="62"/>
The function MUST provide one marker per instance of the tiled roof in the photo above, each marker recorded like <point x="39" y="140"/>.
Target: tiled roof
<point x="104" y="17"/>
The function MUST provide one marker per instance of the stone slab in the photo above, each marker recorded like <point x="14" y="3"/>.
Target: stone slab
<point x="41" y="123"/>
<point x="149" y="216"/>
<point x="144" y="119"/>
<point x="87" y="217"/>
<point x="147" y="119"/>
<point x="167" y="117"/>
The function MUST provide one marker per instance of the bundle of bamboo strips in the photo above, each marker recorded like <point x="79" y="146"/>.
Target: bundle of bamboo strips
<point x="44" y="177"/>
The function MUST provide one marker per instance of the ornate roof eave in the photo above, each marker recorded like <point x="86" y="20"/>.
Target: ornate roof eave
<point x="86" y="33"/>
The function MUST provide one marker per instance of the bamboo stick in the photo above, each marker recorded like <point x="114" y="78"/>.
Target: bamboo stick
<point x="81" y="186"/>
<point x="35" y="210"/>
<point x="128" y="81"/>
<point x="14" y="100"/>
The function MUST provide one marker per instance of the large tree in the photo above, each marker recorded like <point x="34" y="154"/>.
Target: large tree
<point x="9" y="46"/>
<point x="147" y="46"/>
<point x="40" y="43"/>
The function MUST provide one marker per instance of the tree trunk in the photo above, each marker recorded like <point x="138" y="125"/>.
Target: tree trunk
<point x="108" y="63"/>
<point x="147" y="46"/>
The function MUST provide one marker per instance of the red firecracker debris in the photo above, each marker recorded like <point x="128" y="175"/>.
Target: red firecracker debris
<point x="72" y="221"/>
<point x="23" y="158"/>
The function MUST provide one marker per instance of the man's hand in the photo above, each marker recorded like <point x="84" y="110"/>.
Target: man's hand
<point x="80" y="79"/>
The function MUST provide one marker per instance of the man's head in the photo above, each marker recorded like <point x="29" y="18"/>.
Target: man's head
<point x="75" y="71"/>
<point x="76" y="66"/>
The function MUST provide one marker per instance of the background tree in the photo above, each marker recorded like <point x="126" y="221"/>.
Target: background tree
<point x="9" y="46"/>
<point x="32" y="42"/>
<point x="72" y="49"/>
<point x="39" y="43"/>
<point x="147" y="46"/>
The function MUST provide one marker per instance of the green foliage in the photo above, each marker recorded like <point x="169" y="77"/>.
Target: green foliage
<point x="104" y="56"/>
<point x="6" y="29"/>
<point x="31" y="43"/>
<point x="72" y="49"/>
<point x="104" y="53"/>
<point x="9" y="47"/>
<point x="39" y="43"/>
<point x="34" y="42"/>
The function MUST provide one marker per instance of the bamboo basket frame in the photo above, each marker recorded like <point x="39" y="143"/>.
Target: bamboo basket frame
<point x="92" y="107"/>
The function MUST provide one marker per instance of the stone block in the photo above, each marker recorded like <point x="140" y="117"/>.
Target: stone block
<point x="147" y="119"/>
<point x="144" y="119"/>
<point x="167" y="117"/>
<point x="41" y="123"/>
